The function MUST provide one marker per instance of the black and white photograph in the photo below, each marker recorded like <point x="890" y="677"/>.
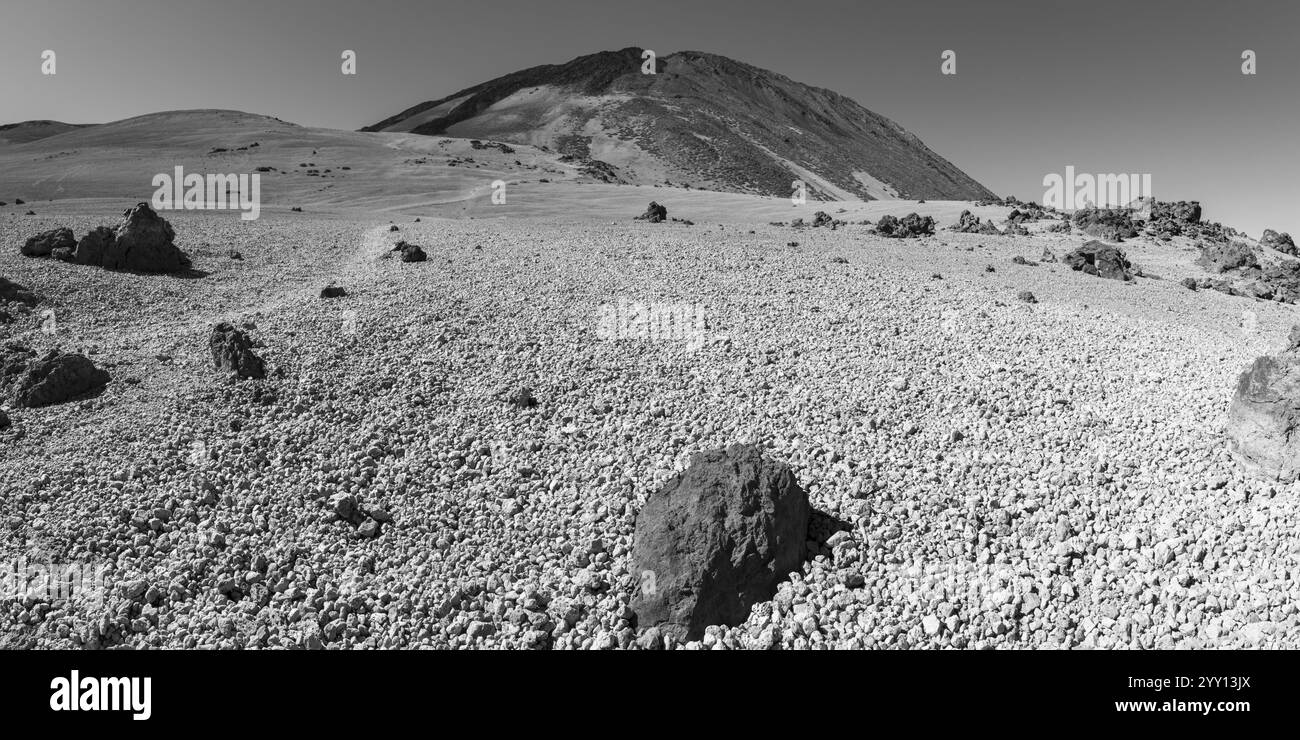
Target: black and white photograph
<point x="433" y="326"/>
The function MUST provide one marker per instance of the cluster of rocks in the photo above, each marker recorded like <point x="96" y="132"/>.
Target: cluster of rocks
<point x="1240" y="272"/>
<point x="1109" y="224"/>
<point x="1100" y="259"/>
<point x="32" y="380"/>
<point x="143" y="242"/>
<point x="969" y="223"/>
<point x="407" y="252"/>
<point x="368" y="521"/>
<point x="1278" y="242"/>
<point x="909" y="226"/>
<point x="504" y="148"/>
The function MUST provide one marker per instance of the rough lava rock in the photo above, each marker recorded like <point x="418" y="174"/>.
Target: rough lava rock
<point x="44" y="243"/>
<point x="145" y="243"/>
<point x="232" y="351"/>
<point x="93" y="246"/>
<point x="1264" y="418"/>
<point x="57" y="377"/>
<point x="1100" y="259"/>
<point x="1280" y="242"/>
<point x="717" y="539"/>
<point x="654" y="213"/>
<point x="409" y="252"/>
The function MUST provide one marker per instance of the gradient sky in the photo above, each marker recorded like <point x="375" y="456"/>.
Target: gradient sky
<point x="1109" y="87"/>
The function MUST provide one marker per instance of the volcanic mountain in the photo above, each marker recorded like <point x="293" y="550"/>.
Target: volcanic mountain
<point x="701" y="120"/>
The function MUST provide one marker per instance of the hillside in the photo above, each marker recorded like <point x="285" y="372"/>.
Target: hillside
<point x="702" y="120"/>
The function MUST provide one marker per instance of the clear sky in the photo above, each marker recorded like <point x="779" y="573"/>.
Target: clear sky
<point x="1138" y="86"/>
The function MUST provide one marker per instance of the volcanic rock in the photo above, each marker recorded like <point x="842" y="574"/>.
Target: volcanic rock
<point x="1265" y="413"/>
<point x="909" y="226"/>
<point x="56" y="377"/>
<point x="232" y="351"/>
<point x="654" y="213"/>
<point x="145" y="243"/>
<point x="1279" y="242"/>
<point x="1102" y="260"/>
<point x="716" y="539"/>
<point x="93" y="246"/>
<point x="409" y="252"/>
<point x="44" y="243"/>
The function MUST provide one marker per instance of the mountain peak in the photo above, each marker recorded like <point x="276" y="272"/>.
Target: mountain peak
<point x="702" y="120"/>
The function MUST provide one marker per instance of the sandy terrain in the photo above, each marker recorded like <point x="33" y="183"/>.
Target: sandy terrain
<point x="1005" y="473"/>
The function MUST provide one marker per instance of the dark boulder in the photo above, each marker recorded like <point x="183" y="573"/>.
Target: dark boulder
<point x="654" y="213"/>
<point x="232" y="351"/>
<point x="409" y="252"/>
<point x="1102" y="260"/>
<point x="821" y="218"/>
<point x="144" y="242"/>
<point x="332" y="291"/>
<point x="44" y="243"/>
<point x="56" y="377"/>
<point x="715" y="540"/>
<point x="93" y="246"/>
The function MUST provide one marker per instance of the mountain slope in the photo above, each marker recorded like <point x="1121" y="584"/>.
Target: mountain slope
<point x="703" y="120"/>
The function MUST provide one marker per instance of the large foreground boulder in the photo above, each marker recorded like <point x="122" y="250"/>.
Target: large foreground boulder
<point x="44" y="243"/>
<point x="1265" y="414"/>
<point x="144" y="242"/>
<point x="716" y="539"/>
<point x="1100" y="259"/>
<point x="56" y="377"/>
<point x="232" y="351"/>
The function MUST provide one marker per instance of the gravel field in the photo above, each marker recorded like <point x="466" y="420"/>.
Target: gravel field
<point x="988" y="472"/>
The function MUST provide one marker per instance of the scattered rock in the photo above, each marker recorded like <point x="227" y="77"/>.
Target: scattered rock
<point x="232" y="351"/>
<point x="1026" y="296"/>
<point x="56" y="377"/>
<point x="1102" y="260"/>
<point x="409" y="252"/>
<point x="718" y="538"/>
<point x="1264" y="414"/>
<point x="654" y="213"/>
<point x="46" y="242"/>
<point x="332" y="291"/>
